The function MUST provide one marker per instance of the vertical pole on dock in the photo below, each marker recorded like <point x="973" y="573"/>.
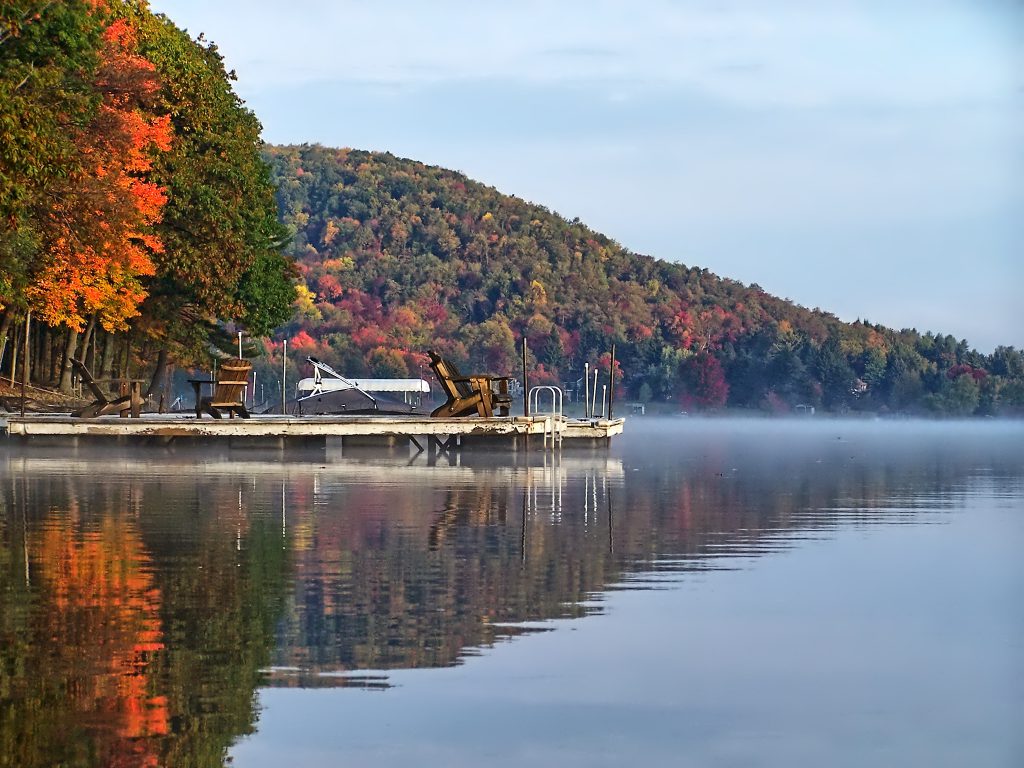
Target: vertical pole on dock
<point x="593" y="396"/>
<point x="526" y="383"/>
<point x="284" y="375"/>
<point x="24" y="363"/>
<point x="586" y="390"/>
<point x="611" y="381"/>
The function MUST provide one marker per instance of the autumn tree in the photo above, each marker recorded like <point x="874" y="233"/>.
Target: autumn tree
<point x="79" y="235"/>
<point x="48" y="54"/>
<point x="98" y="227"/>
<point x="222" y="259"/>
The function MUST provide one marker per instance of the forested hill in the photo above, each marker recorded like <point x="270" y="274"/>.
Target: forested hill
<point x="397" y="257"/>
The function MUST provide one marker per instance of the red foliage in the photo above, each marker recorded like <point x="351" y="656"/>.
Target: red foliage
<point x="328" y="287"/>
<point x="602" y="366"/>
<point x="303" y="341"/>
<point x="705" y="382"/>
<point x="369" y="337"/>
<point x="978" y="374"/>
<point x="540" y="375"/>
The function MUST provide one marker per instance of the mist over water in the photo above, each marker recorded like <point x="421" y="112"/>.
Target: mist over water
<point x="705" y="592"/>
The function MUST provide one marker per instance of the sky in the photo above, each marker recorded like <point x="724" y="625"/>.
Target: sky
<point x="861" y="156"/>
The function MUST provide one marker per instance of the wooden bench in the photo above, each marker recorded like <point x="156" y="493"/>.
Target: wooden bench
<point x="128" y="400"/>
<point x="228" y="391"/>
<point x="478" y="394"/>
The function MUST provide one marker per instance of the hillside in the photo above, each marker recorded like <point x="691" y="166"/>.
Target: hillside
<point x="397" y="257"/>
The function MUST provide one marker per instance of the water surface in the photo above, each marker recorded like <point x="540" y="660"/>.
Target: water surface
<point x="705" y="593"/>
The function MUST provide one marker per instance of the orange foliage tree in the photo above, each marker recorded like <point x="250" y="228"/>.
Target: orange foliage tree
<point x="98" y="231"/>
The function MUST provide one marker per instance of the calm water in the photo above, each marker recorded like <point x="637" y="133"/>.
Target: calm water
<point x="707" y="593"/>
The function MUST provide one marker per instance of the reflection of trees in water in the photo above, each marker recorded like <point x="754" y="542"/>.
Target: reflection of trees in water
<point x="434" y="575"/>
<point x="80" y="633"/>
<point x="730" y="503"/>
<point x="134" y="619"/>
<point x="424" y="573"/>
<point x="137" y="610"/>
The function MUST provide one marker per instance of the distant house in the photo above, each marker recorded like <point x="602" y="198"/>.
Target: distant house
<point x="804" y="410"/>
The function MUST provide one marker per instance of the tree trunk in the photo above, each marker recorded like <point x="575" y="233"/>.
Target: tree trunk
<point x="65" y="367"/>
<point x="44" y="358"/>
<point x="87" y="342"/>
<point x="5" y="327"/>
<point x="32" y="355"/>
<point x="56" y="350"/>
<point x="165" y="398"/>
<point x="107" y="359"/>
<point x="159" y="373"/>
<point x="126" y="369"/>
<point x="26" y="367"/>
<point x="14" y="354"/>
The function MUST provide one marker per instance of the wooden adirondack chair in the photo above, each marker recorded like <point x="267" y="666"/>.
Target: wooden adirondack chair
<point x="477" y="394"/>
<point x="127" y="401"/>
<point x="228" y="389"/>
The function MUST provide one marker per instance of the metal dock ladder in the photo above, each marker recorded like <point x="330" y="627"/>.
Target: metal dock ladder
<point x="554" y="421"/>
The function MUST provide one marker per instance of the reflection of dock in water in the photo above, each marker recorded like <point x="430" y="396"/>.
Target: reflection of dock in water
<point x="521" y="469"/>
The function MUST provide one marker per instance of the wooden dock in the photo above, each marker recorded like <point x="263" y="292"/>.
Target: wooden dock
<point x="271" y="431"/>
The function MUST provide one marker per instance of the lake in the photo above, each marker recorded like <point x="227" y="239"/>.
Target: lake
<point x="704" y="593"/>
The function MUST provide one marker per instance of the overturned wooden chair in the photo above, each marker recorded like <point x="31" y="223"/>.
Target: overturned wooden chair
<point x="128" y="400"/>
<point x="228" y="391"/>
<point x="474" y="395"/>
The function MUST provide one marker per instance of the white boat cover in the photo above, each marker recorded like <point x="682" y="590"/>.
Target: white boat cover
<point x="367" y="385"/>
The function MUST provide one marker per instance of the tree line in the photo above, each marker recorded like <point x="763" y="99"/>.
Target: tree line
<point x="137" y="217"/>
<point x="396" y="257"/>
<point x="143" y="224"/>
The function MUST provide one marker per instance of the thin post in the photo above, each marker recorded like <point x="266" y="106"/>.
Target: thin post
<point x="24" y="363"/>
<point x="526" y="383"/>
<point x="284" y="375"/>
<point x="239" y="345"/>
<point x="611" y="381"/>
<point x="593" y="395"/>
<point x="604" y="398"/>
<point x="586" y="390"/>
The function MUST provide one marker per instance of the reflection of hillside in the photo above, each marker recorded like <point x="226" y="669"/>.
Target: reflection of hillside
<point x="403" y="574"/>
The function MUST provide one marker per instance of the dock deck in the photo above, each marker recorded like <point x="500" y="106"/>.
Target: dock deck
<point x="272" y="431"/>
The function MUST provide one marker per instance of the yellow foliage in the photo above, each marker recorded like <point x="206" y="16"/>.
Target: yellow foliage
<point x="331" y="231"/>
<point x="305" y="302"/>
<point x="538" y="294"/>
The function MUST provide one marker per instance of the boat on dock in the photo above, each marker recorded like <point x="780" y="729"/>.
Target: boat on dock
<point x="327" y="392"/>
